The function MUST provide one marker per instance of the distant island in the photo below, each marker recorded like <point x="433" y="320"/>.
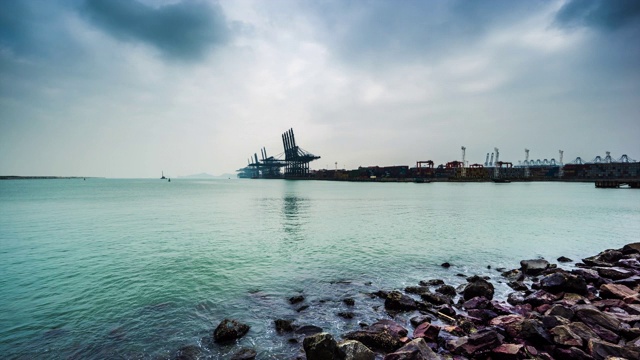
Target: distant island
<point x="208" y="176"/>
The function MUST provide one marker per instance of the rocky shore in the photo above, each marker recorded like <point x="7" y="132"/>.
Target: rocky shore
<point x="591" y="311"/>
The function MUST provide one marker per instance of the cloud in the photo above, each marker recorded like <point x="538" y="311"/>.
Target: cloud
<point x="184" y="30"/>
<point x="602" y="14"/>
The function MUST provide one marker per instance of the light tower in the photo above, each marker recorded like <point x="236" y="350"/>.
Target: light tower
<point x="464" y="172"/>
<point x="526" y="163"/>
<point x="496" y="169"/>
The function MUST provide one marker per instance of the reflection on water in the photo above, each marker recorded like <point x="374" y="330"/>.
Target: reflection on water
<point x="295" y="213"/>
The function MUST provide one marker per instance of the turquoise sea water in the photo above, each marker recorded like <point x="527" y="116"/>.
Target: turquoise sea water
<point x="108" y="268"/>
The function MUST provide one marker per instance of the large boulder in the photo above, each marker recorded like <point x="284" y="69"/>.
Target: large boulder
<point x="322" y="347"/>
<point x="592" y="316"/>
<point x="564" y="282"/>
<point x="416" y="349"/>
<point x="283" y="325"/>
<point x="229" y="330"/>
<point x="601" y="350"/>
<point x="478" y="287"/>
<point x="534" y="267"/>
<point x="355" y="350"/>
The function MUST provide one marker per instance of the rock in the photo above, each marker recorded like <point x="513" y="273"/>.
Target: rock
<point x="513" y="275"/>
<point x="512" y="324"/>
<point x="479" y="287"/>
<point x="244" y="354"/>
<point x="417" y="320"/>
<point x="384" y="335"/>
<point x="560" y="310"/>
<point x="308" y="330"/>
<point x="509" y="352"/>
<point x="481" y="316"/>
<point x="540" y="297"/>
<point x="515" y="298"/>
<point x="616" y="291"/>
<point x="564" y="259"/>
<point x="517" y="285"/>
<point x="582" y="330"/>
<point x="302" y="308"/>
<point x="633" y="248"/>
<point x="551" y="321"/>
<point x="534" y="331"/>
<point x="473" y="344"/>
<point x="601" y="350"/>
<point x="572" y="353"/>
<point x="427" y="331"/>
<point x="614" y="273"/>
<point x="436" y="299"/>
<point x="189" y="352"/>
<point x="296" y="299"/>
<point x="478" y="302"/>
<point x="564" y="282"/>
<point x="346" y="314"/>
<point x="419" y="290"/>
<point x="534" y="267"/>
<point x="381" y="294"/>
<point x="355" y="350"/>
<point x="322" y="347"/>
<point x="283" y="325"/>
<point x="446" y="265"/>
<point x="229" y="330"/>
<point x="605" y="258"/>
<point x="447" y="290"/>
<point x="592" y="316"/>
<point x="416" y="349"/>
<point x="349" y="301"/>
<point x="398" y="301"/>
<point x="433" y="282"/>
<point x="562" y="335"/>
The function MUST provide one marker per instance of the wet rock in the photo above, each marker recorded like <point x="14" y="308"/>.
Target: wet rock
<point x="534" y="331"/>
<point x="308" y="330"/>
<point x="346" y="314"/>
<point x="614" y="273"/>
<point x="381" y="294"/>
<point x="534" y="267"/>
<point x="432" y="282"/>
<point x="417" y="320"/>
<point x="551" y="321"/>
<point x="479" y="287"/>
<point x="296" y="299"/>
<point x="189" y="352"/>
<point x="229" y="330"/>
<point x="562" y="335"/>
<point x="384" y="335"/>
<point x="633" y="248"/>
<point x="322" y="347"/>
<point x="244" y="354"/>
<point x="483" y="340"/>
<point x="419" y="290"/>
<point x="436" y="299"/>
<point x="302" y="308"/>
<point x="427" y="331"/>
<point x="447" y="290"/>
<point x="283" y="325"/>
<point x="416" y="349"/>
<point x="482" y="315"/>
<point x="564" y="259"/>
<point x="478" y="302"/>
<point x="349" y="301"/>
<point x="629" y="263"/>
<point x="601" y="350"/>
<point x="540" y="297"/>
<point x="590" y="276"/>
<point x="513" y="275"/>
<point x="564" y="282"/>
<point x="445" y="265"/>
<point x="398" y="301"/>
<point x="517" y="285"/>
<point x="355" y="350"/>
<point x="582" y="330"/>
<point x="515" y="298"/>
<point x="512" y="324"/>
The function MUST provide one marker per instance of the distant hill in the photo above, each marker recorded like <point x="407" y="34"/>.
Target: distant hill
<point x="208" y="176"/>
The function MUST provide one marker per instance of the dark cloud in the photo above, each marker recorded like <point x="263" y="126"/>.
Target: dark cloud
<point x="603" y="14"/>
<point x="184" y="30"/>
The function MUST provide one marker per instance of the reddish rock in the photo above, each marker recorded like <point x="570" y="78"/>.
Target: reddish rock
<point x="540" y="297"/>
<point x="572" y="353"/>
<point x="481" y="341"/>
<point x="512" y="324"/>
<point x="616" y="291"/>
<point x="414" y="350"/>
<point x="427" y="331"/>
<point x="509" y="352"/>
<point x="478" y="302"/>
<point x="592" y="316"/>
<point x="562" y="335"/>
<point x="384" y="335"/>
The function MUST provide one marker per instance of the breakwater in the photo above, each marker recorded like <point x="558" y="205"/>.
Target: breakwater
<point x="588" y="311"/>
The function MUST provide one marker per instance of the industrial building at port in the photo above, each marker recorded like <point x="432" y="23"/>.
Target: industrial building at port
<point x="293" y="163"/>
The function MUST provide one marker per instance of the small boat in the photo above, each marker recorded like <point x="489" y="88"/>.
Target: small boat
<point x="162" y="178"/>
<point x="501" y="181"/>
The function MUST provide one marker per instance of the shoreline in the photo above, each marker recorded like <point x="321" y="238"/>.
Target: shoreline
<point x="589" y="311"/>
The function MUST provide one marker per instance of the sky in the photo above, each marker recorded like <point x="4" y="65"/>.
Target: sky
<point x="130" y="88"/>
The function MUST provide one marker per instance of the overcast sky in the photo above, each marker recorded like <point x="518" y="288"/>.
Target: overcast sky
<point x="124" y="88"/>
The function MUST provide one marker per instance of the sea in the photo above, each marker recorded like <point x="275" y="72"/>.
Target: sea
<point x="140" y="269"/>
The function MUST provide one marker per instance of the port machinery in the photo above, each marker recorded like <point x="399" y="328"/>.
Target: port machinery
<point x="295" y="163"/>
